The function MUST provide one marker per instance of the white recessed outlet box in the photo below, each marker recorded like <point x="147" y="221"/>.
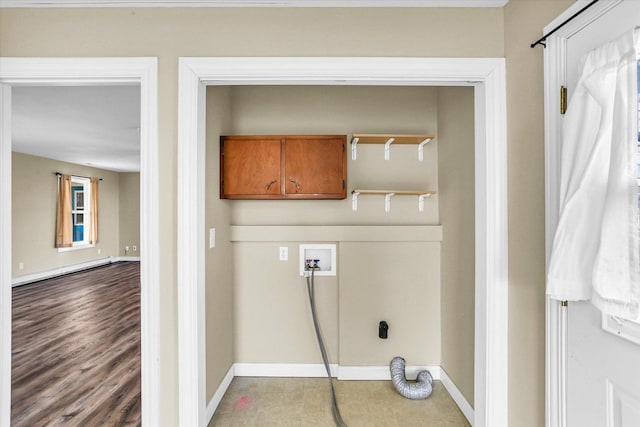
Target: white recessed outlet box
<point x="324" y="253"/>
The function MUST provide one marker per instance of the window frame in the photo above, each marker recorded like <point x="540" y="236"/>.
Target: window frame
<point x="85" y="212"/>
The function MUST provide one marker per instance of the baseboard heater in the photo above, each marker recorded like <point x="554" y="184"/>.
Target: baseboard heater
<point x="61" y="271"/>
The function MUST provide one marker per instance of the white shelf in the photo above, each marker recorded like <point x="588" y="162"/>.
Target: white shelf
<point x="387" y="140"/>
<point x="422" y="194"/>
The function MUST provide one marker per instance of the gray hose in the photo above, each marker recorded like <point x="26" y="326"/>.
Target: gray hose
<point x="337" y="417"/>
<point x="421" y="389"/>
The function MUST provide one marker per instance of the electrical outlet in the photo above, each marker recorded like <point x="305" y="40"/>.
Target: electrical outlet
<point x="126" y="249"/>
<point x="284" y="253"/>
<point x="99" y="251"/>
<point x="21" y="265"/>
<point x="134" y="247"/>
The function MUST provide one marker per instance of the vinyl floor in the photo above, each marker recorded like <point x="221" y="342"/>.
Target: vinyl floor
<point x="297" y="402"/>
<point x="76" y="349"/>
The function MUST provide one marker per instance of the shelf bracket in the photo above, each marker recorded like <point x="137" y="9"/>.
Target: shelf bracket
<point x="354" y="148"/>
<point x="421" y="149"/>
<point x="387" y="148"/>
<point x="354" y="200"/>
<point x="387" y="201"/>
<point x="421" y="201"/>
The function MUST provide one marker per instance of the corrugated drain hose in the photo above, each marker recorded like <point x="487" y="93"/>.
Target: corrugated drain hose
<point x="337" y="418"/>
<point x="421" y="389"/>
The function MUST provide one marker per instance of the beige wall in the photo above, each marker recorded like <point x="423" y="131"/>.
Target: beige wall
<point x="449" y="32"/>
<point x="345" y="110"/>
<point x="398" y="282"/>
<point x="272" y="318"/>
<point x="272" y="322"/>
<point x="218" y="273"/>
<point x="457" y="197"/>
<point x="130" y="213"/>
<point x="33" y="212"/>
<point x="525" y="107"/>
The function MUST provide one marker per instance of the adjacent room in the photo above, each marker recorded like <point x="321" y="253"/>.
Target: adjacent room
<point x="394" y="237"/>
<point x="75" y="246"/>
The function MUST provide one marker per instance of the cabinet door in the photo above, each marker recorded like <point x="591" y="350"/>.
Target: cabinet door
<point x="315" y="167"/>
<point x="250" y="167"/>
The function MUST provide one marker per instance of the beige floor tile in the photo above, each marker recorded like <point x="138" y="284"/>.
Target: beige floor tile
<point x="294" y="402"/>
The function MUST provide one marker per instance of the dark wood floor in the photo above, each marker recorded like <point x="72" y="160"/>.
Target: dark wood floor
<point x="76" y="349"/>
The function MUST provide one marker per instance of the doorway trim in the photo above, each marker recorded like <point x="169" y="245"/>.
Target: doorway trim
<point x="486" y="75"/>
<point x="90" y="71"/>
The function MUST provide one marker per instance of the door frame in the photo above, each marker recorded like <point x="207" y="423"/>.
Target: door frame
<point x="486" y="75"/>
<point x="555" y="75"/>
<point x="90" y="71"/>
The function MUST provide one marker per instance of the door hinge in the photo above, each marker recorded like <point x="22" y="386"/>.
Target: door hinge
<point x="563" y="99"/>
<point x="343" y="184"/>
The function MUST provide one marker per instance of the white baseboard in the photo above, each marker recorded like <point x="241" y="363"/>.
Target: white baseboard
<point x="58" y="271"/>
<point x="125" y="258"/>
<point x="368" y="373"/>
<point x="456" y="395"/>
<point x="309" y="370"/>
<point x="219" y="394"/>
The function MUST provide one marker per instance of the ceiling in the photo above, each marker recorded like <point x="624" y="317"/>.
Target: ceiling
<point x="253" y="3"/>
<point x="97" y="126"/>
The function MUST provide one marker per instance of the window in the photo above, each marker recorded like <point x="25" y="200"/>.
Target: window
<point x="80" y="216"/>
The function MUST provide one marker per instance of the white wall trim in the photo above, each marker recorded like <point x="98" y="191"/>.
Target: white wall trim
<point x="253" y="3"/>
<point x="219" y="394"/>
<point x="457" y="396"/>
<point x="60" y="271"/>
<point x="125" y="259"/>
<point x="303" y="370"/>
<point x="487" y="75"/>
<point x="381" y="373"/>
<point x="5" y="254"/>
<point x="555" y="57"/>
<point x="77" y="247"/>
<point x="53" y="71"/>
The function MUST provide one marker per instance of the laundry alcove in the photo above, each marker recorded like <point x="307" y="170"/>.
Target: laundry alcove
<point x="391" y="265"/>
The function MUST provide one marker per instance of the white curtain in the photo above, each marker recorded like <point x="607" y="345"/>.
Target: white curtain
<point x="595" y="248"/>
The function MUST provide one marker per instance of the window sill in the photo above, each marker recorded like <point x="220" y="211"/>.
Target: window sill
<point x="76" y="247"/>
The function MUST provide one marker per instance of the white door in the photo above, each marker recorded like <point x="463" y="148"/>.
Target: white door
<point x="602" y="368"/>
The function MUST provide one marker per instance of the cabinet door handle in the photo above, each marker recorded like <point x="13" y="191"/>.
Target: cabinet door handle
<point x="268" y="186"/>
<point x="294" y="182"/>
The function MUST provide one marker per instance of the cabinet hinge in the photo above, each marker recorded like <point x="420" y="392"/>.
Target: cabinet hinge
<point x="563" y="99"/>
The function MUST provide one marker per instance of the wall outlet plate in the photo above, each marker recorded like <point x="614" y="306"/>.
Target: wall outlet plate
<point x="212" y="238"/>
<point x="325" y="253"/>
<point x="284" y="253"/>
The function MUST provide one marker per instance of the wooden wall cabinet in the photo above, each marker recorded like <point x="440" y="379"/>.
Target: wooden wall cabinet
<point x="283" y="167"/>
